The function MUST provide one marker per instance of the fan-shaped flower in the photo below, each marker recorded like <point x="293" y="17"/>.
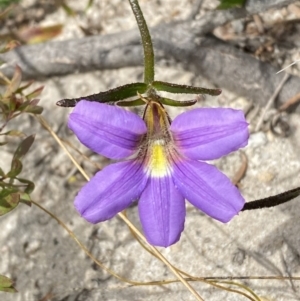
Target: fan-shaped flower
<point x="159" y="166"/>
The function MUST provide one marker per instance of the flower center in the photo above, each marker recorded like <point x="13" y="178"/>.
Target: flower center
<point x="158" y="165"/>
<point x="157" y="143"/>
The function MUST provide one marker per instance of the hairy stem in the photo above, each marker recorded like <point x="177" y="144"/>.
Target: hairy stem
<point x="146" y="42"/>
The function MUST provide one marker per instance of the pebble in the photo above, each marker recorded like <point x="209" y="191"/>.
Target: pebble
<point x="257" y="139"/>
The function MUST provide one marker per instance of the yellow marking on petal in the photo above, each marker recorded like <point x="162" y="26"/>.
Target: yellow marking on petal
<point x="158" y="163"/>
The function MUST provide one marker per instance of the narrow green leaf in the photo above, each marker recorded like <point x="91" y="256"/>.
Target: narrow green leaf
<point x="183" y="89"/>
<point x="2" y="174"/>
<point x="130" y="103"/>
<point x="34" y="109"/>
<point x="13" y="187"/>
<point x="4" y="107"/>
<point x="8" y="289"/>
<point x="23" y="147"/>
<point x="2" y="184"/>
<point x="3" y="143"/>
<point x="14" y="133"/>
<point x="25" y="86"/>
<point x="7" y="191"/>
<point x="25" y="199"/>
<point x="15" y="169"/>
<point x="34" y="101"/>
<point x="40" y="34"/>
<point x="35" y="93"/>
<point x="9" y="202"/>
<point x="5" y="282"/>
<point x="226" y="4"/>
<point x="69" y="11"/>
<point x="12" y="102"/>
<point x="30" y="185"/>
<point x="30" y="106"/>
<point x="177" y="103"/>
<point x="6" y="285"/>
<point x="24" y="105"/>
<point x="112" y="95"/>
<point x="15" y="82"/>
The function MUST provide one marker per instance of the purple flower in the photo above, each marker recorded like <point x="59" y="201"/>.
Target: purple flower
<point x="160" y="164"/>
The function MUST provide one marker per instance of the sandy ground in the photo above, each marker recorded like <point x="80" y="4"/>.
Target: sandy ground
<point x="47" y="265"/>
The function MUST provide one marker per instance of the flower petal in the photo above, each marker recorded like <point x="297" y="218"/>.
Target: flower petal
<point x="208" y="189"/>
<point x="162" y="212"/>
<point x="108" y="130"/>
<point x="207" y="134"/>
<point x="110" y="191"/>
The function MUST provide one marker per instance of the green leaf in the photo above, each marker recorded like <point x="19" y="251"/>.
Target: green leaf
<point x="112" y="95"/>
<point x="34" y="101"/>
<point x="24" y="105"/>
<point x="11" y="186"/>
<point x="25" y="86"/>
<point x="14" y="83"/>
<point x="30" y="185"/>
<point x="3" y="106"/>
<point x="69" y="11"/>
<point x="226" y="4"/>
<point x="25" y="199"/>
<point x="12" y="102"/>
<point x="15" y="169"/>
<point x="183" y="89"/>
<point x="34" y="109"/>
<point x="14" y="133"/>
<point x="39" y="34"/>
<point x="130" y="103"/>
<point x="7" y="191"/>
<point x="9" y="202"/>
<point x="30" y="106"/>
<point x="2" y="174"/>
<point x="177" y="103"/>
<point x="35" y="93"/>
<point x="6" y="285"/>
<point x="23" y="147"/>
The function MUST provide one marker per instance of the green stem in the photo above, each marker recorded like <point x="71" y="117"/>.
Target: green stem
<point x="146" y="41"/>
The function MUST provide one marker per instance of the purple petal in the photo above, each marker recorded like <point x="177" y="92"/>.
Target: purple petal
<point x="110" y="191"/>
<point x="108" y="130"/>
<point x="207" y="134"/>
<point x="208" y="189"/>
<point x="162" y="212"/>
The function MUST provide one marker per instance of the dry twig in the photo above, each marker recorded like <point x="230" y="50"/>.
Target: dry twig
<point x="293" y="101"/>
<point x="271" y="101"/>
